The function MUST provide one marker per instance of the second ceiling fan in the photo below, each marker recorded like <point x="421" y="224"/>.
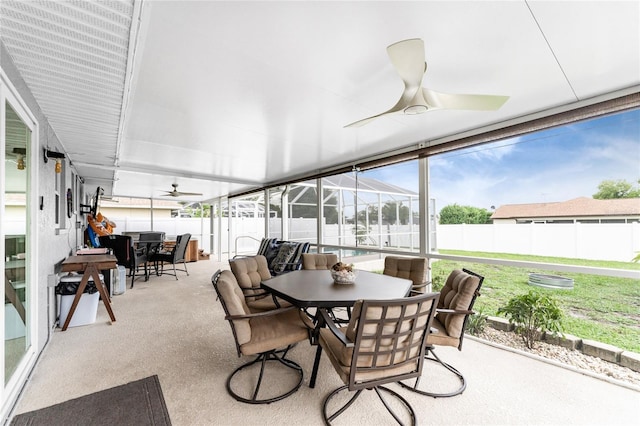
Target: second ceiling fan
<point x="176" y="193"/>
<point x="407" y="57"/>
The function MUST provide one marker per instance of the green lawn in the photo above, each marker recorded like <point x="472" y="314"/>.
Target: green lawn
<point x="599" y="308"/>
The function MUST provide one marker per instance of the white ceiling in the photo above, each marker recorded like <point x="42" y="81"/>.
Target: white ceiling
<point x="220" y="97"/>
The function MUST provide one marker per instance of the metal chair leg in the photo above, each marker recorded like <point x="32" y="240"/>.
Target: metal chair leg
<point x="379" y="390"/>
<point x="264" y="358"/>
<point x="458" y="391"/>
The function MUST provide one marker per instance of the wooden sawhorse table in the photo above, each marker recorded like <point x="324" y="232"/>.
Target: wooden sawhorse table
<point x="90" y="266"/>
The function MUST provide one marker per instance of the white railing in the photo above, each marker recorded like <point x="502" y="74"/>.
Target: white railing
<point x="244" y="237"/>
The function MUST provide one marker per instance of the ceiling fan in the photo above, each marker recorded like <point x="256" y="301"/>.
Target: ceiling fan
<point x="407" y="57"/>
<point x="176" y="193"/>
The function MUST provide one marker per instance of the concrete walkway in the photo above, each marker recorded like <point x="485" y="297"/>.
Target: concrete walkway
<point x="176" y="329"/>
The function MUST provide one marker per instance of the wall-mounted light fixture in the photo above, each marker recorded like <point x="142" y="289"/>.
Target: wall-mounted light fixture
<point x="21" y="153"/>
<point x="58" y="156"/>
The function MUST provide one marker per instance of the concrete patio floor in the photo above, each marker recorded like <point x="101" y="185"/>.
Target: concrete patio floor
<point x="176" y="329"/>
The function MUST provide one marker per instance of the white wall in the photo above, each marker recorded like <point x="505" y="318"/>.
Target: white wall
<point x="52" y="245"/>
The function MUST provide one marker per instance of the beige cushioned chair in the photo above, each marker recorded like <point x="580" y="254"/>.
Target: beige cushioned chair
<point x="383" y="343"/>
<point x="457" y="298"/>
<point x="266" y="334"/>
<point x="250" y="272"/>
<point x="322" y="261"/>
<point x="319" y="260"/>
<point x="411" y="268"/>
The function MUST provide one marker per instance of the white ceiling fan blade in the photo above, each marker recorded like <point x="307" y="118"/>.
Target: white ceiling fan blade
<point x="407" y="57"/>
<point x="180" y="194"/>
<point x="189" y="193"/>
<point x="364" y="121"/>
<point x="437" y="100"/>
<point x="176" y="193"/>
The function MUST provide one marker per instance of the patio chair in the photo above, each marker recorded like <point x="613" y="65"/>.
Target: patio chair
<point x="281" y="256"/>
<point x="250" y="271"/>
<point x="176" y="255"/>
<point x="457" y="298"/>
<point x="318" y="260"/>
<point x="412" y="268"/>
<point x="383" y="343"/>
<point x="126" y="254"/>
<point x="267" y="334"/>
<point x="152" y="240"/>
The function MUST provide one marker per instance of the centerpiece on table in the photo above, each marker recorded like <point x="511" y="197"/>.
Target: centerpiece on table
<point x="343" y="273"/>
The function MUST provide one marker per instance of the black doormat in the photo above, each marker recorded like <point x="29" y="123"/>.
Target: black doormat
<point x="136" y="403"/>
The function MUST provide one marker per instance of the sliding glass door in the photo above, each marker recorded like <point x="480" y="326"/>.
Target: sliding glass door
<point x="17" y="142"/>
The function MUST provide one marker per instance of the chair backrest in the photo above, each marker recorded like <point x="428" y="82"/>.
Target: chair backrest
<point x="460" y="293"/>
<point x="318" y="260"/>
<point x="122" y="246"/>
<point x="249" y="272"/>
<point x="233" y="303"/>
<point x="155" y="241"/>
<point x="180" y="249"/>
<point x="151" y="236"/>
<point x="389" y="339"/>
<point x="412" y="268"/>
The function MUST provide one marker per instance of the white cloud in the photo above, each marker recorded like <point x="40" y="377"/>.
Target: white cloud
<point x="556" y="165"/>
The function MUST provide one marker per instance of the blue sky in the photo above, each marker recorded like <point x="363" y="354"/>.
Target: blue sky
<point x="555" y="165"/>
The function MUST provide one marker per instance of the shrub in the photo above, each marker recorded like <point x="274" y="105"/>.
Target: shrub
<point x="533" y="315"/>
<point x="476" y="323"/>
<point x="438" y="280"/>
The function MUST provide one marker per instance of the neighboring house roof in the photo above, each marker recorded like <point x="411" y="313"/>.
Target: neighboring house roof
<point x="128" y="203"/>
<point x="578" y="207"/>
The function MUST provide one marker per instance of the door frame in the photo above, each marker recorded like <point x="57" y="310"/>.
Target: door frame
<point x="10" y="392"/>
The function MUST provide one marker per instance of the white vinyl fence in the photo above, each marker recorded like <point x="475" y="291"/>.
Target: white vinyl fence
<point x="606" y="241"/>
<point x="612" y="241"/>
<point x="198" y="228"/>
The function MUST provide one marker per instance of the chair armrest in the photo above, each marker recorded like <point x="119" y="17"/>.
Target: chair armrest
<point x="420" y="285"/>
<point x="260" y="293"/>
<point x="334" y="328"/>
<point x="455" y="311"/>
<point x="257" y="292"/>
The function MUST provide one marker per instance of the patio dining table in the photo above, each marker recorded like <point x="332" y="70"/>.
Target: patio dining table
<point x="316" y="289"/>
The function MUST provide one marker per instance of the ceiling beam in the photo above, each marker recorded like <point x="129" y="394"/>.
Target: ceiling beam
<point x="156" y="170"/>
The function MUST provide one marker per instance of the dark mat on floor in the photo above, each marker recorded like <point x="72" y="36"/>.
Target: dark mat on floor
<point x="136" y="403"/>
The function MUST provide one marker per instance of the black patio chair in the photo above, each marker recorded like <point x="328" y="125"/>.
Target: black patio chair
<point x="152" y="240"/>
<point x="126" y="254"/>
<point x="176" y="255"/>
